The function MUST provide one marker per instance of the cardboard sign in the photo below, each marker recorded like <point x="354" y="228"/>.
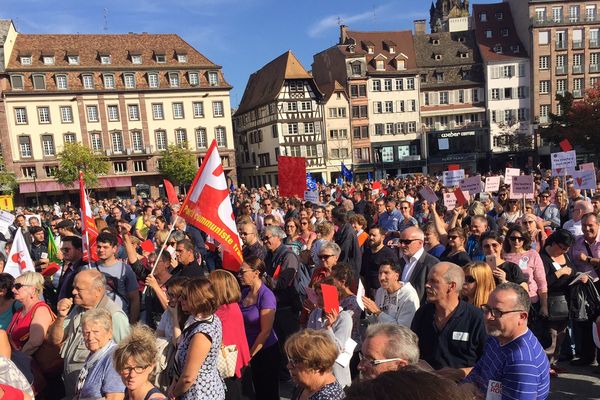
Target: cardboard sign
<point x="453" y="178"/>
<point x="522" y="184"/>
<point x="331" y="300"/>
<point x="509" y="173"/>
<point x="585" y="180"/>
<point x="461" y="199"/>
<point x="471" y="185"/>
<point x="428" y="194"/>
<point x="312" y="196"/>
<point x="449" y="201"/>
<point x="267" y="186"/>
<point x="563" y="159"/>
<point x="375" y="188"/>
<point x="587" y="167"/>
<point x="292" y="176"/>
<point x="492" y="184"/>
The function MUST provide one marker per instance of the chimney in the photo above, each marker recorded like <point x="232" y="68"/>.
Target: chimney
<point x="343" y="34"/>
<point x="420" y="26"/>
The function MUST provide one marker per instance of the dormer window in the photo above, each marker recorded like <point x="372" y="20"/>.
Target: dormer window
<point x="213" y="78"/>
<point x="48" y="60"/>
<point x="380" y="65"/>
<point x="498" y="49"/>
<point x="136" y="59"/>
<point x="392" y="50"/>
<point x="464" y="54"/>
<point x="351" y="48"/>
<point x="400" y="65"/>
<point x="488" y="34"/>
<point x="504" y="32"/>
<point x="515" y="48"/>
<point x="105" y="59"/>
<point x="26" y="60"/>
<point x="437" y="57"/>
<point x="435" y="42"/>
<point x="73" y="60"/>
<point x="182" y="58"/>
<point x="461" y="39"/>
<point x="499" y="15"/>
<point x="160" y="58"/>
<point x="483" y="17"/>
<point x="370" y="50"/>
<point x="439" y="76"/>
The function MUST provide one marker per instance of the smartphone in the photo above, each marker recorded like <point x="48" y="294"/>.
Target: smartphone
<point x="171" y="251"/>
<point x="491" y="261"/>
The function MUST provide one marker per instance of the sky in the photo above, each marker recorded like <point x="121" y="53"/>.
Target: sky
<point x="239" y="35"/>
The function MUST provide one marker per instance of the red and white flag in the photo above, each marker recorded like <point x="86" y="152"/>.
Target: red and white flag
<point x="89" y="232"/>
<point x="19" y="260"/>
<point x="207" y="207"/>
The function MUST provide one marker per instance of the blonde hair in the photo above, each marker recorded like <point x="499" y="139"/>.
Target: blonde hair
<point x="34" y="279"/>
<point x="161" y="236"/>
<point x="139" y="345"/>
<point x="482" y="273"/>
<point x="226" y="287"/>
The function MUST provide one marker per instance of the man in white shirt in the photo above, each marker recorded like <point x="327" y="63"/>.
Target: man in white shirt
<point x="580" y="208"/>
<point x="415" y="261"/>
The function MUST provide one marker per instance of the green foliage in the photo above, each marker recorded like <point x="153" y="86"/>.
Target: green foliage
<point x="178" y="164"/>
<point x="8" y="180"/>
<point x="76" y="157"/>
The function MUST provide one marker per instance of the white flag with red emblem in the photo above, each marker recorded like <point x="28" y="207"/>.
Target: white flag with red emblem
<point x="19" y="260"/>
<point x="208" y="207"/>
<point x="89" y="232"/>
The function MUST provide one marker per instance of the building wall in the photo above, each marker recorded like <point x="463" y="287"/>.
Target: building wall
<point x="339" y="145"/>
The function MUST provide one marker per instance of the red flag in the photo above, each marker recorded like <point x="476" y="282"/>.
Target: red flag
<point x="292" y="176"/>
<point x="453" y="167"/>
<point x="171" y="195"/>
<point x="89" y="232"/>
<point x="208" y="207"/>
<point x="565" y="145"/>
<point x="460" y="197"/>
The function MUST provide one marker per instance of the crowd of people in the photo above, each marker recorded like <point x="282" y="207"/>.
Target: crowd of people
<point x="492" y="297"/>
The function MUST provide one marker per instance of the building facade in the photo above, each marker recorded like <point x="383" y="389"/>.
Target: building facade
<point x="126" y="97"/>
<point x="338" y="130"/>
<point x="281" y="113"/>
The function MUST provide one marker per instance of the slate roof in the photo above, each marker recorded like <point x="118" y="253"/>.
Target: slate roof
<point x="511" y="45"/>
<point x="402" y="41"/>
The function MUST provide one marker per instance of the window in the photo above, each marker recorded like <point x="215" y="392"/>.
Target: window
<point x="48" y="146"/>
<point x="220" y="136"/>
<point x="309" y="127"/>
<point x="411" y="127"/>
<point x="160" y="58"/>
<point x="182" y="58"/>
<point x="43" y="115"/>
<point x="522" y="92"/>
<point x="66" y="114"/>
<point x="475" y="95"/>
<point x="495" y="94"/>
<point x="153" y="81"/>
<point x="376" y="85"/>
<point x="443" y="97"/>
<point x="50" y="170"/>
<point x="120" y="167"/>
<point x="356" y="69"/>
<point x="439" y="76"/>
<point x="488" y="33"/>
<point x="590" y="12"/>
<point x="389" y="128"/>
<point x="389" y="106"/>
<point x="96" y="141"/>
<point x="499" y="15"/>
<point x="105" y="59"/>
<point x="69" y="138"/>
<point x="410" y="84"/>
<point x="129" y="81"/>
<point x="88" y="81"/>
<point x="39" y="82"/>
<point x="218" y="110"/>
<point x="213" y="78"/>
<point x="543" y="37"/>
<point x="293" y="128"/>
<point x="380" y="65"/>
<point x="508" y="93"/>
<point x="594" y="58"/>
<point x="139" y="166"/>
<point x="544" y="87"/>
<point x="117" y="141"/>
<point x="201" y="139"/>
<point x="305" y="106"/>
<point x="296" y="86"/>
<point x="48" y="60"/>
<point x="193" y="78"/>
<point x="161" y="140"/>
<point x="16" y="81"/>
<point x="178" y="110"/>
<point x="292" y="106"/>
<point x="61" y="82"/>
<point x="387" y="85"/>
<point x="557" y="13"/>
<point x="73" y="60"/>
<point x="26" y="60"/>
<point x="25" y="146"/>
<point x="483" y="17"/>
<point x="92" y="113"/>
<point x="113" y="113"/>
<point x="28" y="172"/>
<point x="109" y="81"/>
<point x="399" y="84"/>
<point x="573" y="13"/>
<point x="134" y="112"/>
<point x="544" y="110"/>
<point x="360" y="112"/>
<point x="137" y="142"/>
<point x="174" y="79"/>
<point x="198" y="107"/>
<point x="157" y="111"/>
<point x="561" y="86"/>
<point x="181" y="137"/>
<point x="136" y="59"/>
<point x="522" y="114"/>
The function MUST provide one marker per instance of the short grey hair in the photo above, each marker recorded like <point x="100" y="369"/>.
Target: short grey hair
<point x="454" y="273"/>
<point x="100" y="315"/>
<point x="333" y="246"/>
<point x="523" y="301"/>
<point x="177" y="236"/>
<point x="401" y="341"/>
<point x="275" y="231"/>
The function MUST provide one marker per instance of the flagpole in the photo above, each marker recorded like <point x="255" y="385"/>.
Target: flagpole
<point x="162" y="249"/>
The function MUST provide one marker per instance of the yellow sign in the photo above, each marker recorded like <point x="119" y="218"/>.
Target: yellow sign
<point x="6" y="202"/>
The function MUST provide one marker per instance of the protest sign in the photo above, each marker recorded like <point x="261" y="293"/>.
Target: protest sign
<point x="453" y="178"/>
<point x="563" y="159"/>
<point x="584" y="180"/>
<point x="565" y="145"/>
<point x="312" y="196"/>
<point x="522" y="184"/>
<point x="292" y="176"/>
<point x="509" y="173"/>
<point x="563" y="171"/>
<point x="428" y="194"/>
<point x="471" y="185"/>
<point x="6" y="220"/>
<point x="492" y="184"/>
<point x="587" y="166"/>
<point x="330" y="298"/>
<point x="450" y="201"/>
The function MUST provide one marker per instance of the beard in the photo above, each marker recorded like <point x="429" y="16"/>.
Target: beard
<point x="493" y="331"/>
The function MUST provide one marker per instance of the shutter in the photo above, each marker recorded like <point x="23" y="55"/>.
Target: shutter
<point x="398" y="107"/>
<point x="319" y="150"/>
<point x="372" y="129"/>
<point x="375" y="103"/>
<point x="433" y="98"/>
<point x="303" y="151"/>
<point x="451" y="96"/>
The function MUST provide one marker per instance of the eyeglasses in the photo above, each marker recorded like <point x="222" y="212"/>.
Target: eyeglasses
<point x="516" y="238"/>
<point x="243" y="271"/>
<point x="325" y="256"/>
<point x="453" y="237"/>
<point x="406" y="242"/>
<point x="495" y="312"/>
<point x="138" y="369"/>
<point x="246" y="233"/>
<point x="469" y="279"/>
<point x="19" y="285"/>
<point x="489" y="246"/>
<point x="375" y="363"/>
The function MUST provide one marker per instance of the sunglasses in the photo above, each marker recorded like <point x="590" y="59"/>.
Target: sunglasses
<point x="325" y="256"/>
<point x="406" y="242"/>
<point x="469" y="279"/>
<point x="18" y="286"/>
<point x="516" y="238"/>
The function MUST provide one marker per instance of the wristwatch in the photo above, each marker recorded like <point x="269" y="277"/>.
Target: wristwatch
<point x="588" y="259"/>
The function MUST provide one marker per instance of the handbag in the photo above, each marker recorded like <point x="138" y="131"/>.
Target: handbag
<point x="558" y="308"/>
<point x="227" y="361"/>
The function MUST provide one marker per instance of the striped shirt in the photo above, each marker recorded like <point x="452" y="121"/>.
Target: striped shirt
<point x="521" y="367"/>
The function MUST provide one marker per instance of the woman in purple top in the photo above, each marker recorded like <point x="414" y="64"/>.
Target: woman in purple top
<point x="258" y="306"/>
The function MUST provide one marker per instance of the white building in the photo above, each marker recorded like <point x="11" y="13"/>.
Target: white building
<point x="337" y="129"/>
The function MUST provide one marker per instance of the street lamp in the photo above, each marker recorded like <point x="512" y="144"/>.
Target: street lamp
<point x="37" y="199"/>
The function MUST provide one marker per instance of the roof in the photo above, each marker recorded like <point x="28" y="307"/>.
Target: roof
<point x="119" y="46"/>
<point x="265" y="84"/>
<point x="511" y="44"/>
<point x="401" y="41"/>
<point x="328" y="89"/>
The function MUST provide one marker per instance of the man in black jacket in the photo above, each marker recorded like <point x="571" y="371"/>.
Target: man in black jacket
<point x="415" y="261"/>
<point x="345" y="237"/>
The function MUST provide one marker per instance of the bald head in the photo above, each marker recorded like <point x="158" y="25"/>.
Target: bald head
<point x="89" y="287"/>
<point x="413" y="233"/>
<point x="411" y="241"/>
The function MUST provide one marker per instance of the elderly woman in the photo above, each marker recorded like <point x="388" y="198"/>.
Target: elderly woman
<point x="329" y="253"/>
<point x="395" y="301"/>
<point x="135" y="359"/>
<point x="311" y="356"/>
<point x="196" y="371"/>
<point x="8" y="306"/>
<point x="479" y="283"/>
<point x="228" y="294"/>
<point x="325" y="231"/>
<point x="98" y="377"/>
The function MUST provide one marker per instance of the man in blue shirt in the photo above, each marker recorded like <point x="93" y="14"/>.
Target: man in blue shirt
<point x="513" y="364"/>
<point x="390" y="219"/>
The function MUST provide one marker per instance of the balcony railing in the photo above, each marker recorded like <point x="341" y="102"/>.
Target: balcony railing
<point x="550" y="21"/>
<point x="562" y="70"/>
<point x="578" y="93"/>
<point x="578" y="69"/>
<point x="594" y="68"/>
<point x="562" y="45"/>
<point x="578" y="44"/>
<point x="594" y="43"/>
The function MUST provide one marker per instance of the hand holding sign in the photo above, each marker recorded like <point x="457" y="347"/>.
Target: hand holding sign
<point x="331" y="300"/>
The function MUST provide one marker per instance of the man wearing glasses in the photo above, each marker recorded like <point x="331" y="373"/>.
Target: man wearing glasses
<point x="548" y="211"/>
<point x="580" y="208"/>
<point x="251" y="244"/>
<point x="415" y="261"/>
<point x="267" y="209"/>
<point x="514" y="364"/>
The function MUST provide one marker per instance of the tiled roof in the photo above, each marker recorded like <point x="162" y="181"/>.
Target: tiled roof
<point x="401" y="41"/>
<point x="265" y="84"/>
<point x="328" y="89"/>
<point x="511" y="45"/>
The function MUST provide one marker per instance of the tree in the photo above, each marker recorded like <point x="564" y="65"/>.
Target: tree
<point x="76" y="157"/>
<point x="8" y="180"/>
<point x="579" y="121"/>
<point x="178" y="164"/>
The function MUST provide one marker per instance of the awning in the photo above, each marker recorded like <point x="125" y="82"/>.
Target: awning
<point x="53" y="186"/>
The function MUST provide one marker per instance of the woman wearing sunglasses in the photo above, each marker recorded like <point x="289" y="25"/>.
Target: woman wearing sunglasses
<point x="503" y="271"/>
<point x="535" y="230"/>
<point x="479" y="283"/>
<point x="455" y="248"/>
<point x="517" y="249"/>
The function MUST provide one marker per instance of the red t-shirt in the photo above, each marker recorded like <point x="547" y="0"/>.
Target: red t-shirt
<point x="11" y="393"/>
<point x="18" y="329"/>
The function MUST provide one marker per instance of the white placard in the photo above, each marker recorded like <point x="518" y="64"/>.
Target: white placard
<point x="522" y="184"/>
<point x="6" y="220"/>
<point x="360" y="292"/>
<point x="471" y="185"/>
<point x="347" y="353"/>
<point x="587" y="167"/>
<point x="509" y="173"/>
<point x="563" y="171"/>
<point x="492" y="184"/>
<point x="428" y="194"/>
<point x="585" y="180"/>
<point x="563" y="159"/>
<point x="312" y="196"/>
<point x="267" y="186"/>
<point x="449" y="201"/>
<point x="453" y="178"/>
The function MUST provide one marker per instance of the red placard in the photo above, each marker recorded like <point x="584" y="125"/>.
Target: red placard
<point x="565" y="145"/>
<point x="330" y="298"/>
<point x="147" y="246"/>
<point x="460" y="198"/>
<point x="453" y="167"/>
<point x="292" y="176"/>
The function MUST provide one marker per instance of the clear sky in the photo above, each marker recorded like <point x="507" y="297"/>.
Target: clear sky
<point x="240" y="35"/>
